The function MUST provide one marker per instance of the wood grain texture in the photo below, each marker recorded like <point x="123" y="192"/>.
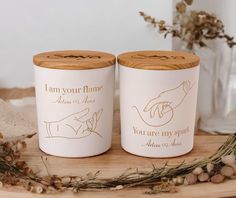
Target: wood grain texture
<point x="74" y="60"/>
<point x="16" y="93"/>
<point x="158" y="60"/>
<point x="116" y="161"/>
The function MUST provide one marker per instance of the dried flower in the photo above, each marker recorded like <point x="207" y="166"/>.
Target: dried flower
<point x="181" y="7"/>
<point x="192" y="27"/>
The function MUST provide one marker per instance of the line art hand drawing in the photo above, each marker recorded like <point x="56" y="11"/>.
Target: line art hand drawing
<point x="74" y="126"/>
<point x="159" y="111"/>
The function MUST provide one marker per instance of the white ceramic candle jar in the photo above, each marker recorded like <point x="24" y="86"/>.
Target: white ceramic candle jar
<point x="158" y="97"/>
<point x="74" y="95"/>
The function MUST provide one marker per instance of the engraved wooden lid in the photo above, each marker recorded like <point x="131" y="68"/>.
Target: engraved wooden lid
<point x="158" y="60"/>
<point x="74" y="60"/>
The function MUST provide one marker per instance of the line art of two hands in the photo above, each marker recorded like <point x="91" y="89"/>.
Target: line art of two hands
<point x="160" y="110"/>
<point x="75" y="126"/>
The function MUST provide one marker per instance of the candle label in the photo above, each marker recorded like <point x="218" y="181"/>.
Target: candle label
<point x="75" y="110"/>
<point x="158" y="110"/>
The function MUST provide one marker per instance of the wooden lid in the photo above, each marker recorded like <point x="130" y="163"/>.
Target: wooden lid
<point x="74" y="60"/>
<point x="158" y="60"/>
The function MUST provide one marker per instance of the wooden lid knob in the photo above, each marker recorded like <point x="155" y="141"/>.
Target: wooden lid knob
<point x="74" y="60"/>
<point x="158" y="60"/>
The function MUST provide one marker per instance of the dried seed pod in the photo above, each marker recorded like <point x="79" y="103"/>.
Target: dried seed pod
<point x="234" y="167"/>
<point x="77" y="179"/>
<point x="57" y="183"/>
<point x="27" y="185"/>
<point x="197" y="171"/>
<point x="180" y="180"/>
<point x="21" y="164"/>
<point x="189" y="2"/>
<point x="90" y="176"/>
<point x="31" y="188"/>
<point x="66" y="180"/>
<point x="190" y="179"/>
<point x="181" y="7"/>
<point x="19" y="146"/>
<point x="37" y="189"/>
<point x="233" y="177"/>
<point x="174" y="180"/>
<point x="27" y="170"/>
<point x="46" y="180"/>
<point x="203" y="177"/>
<point x="227" y="171"/>
<point x="8" y="158"/>
<point x="228" y="160"/>
<point x="216" y="179"/>
<point x="210" y="167"/>
<point x="75" y="190"/>
<point x="164" y="179"/>
<point x="119" y="187"/>
<point x="7" y="145"/>
<point x="51" y="189"/>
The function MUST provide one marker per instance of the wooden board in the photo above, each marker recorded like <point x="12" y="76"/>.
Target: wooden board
<point x="115" y="162"/>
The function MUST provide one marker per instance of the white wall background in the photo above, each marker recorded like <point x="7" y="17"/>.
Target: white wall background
<point x="28" y="27"/>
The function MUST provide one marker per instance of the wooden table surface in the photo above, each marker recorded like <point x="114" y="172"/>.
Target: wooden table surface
<point x="116" y="161"/>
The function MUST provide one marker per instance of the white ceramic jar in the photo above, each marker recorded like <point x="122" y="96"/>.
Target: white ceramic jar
<point x="74" y="95"/>
<point x="158" y="97"/>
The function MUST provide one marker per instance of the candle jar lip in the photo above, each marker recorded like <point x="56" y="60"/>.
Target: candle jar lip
<point x="74" y="60"/>
<point x="158" y="60"/>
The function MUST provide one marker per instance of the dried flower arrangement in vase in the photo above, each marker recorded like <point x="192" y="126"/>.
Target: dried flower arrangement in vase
<point x="194" y="29"/>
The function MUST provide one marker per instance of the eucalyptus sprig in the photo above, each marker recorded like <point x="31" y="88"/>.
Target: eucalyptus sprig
<point x="192" y="27"/>
<point x="216" y="168"/>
